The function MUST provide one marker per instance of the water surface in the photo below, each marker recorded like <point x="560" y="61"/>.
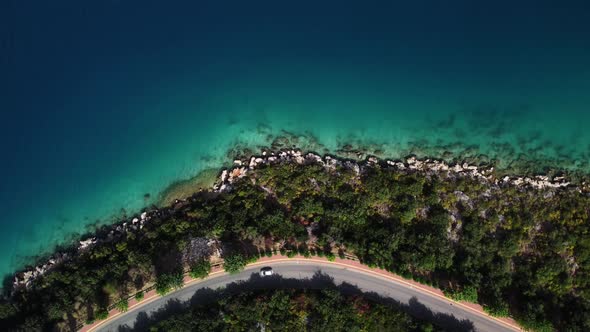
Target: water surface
<point x="105" y="102"/>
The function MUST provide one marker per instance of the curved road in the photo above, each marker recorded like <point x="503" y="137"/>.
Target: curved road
<point x="298" y="270"/>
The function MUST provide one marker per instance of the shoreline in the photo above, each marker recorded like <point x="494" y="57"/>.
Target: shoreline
<point x="268" y="157"/>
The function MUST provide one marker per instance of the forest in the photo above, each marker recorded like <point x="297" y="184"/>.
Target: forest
<point x="293" y="310"/>
<point x="518" y="251"/>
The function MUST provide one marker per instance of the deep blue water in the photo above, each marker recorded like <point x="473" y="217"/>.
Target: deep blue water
<point x="103" y="102"/>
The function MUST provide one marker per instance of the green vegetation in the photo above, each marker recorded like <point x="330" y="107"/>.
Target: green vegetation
<point x="468" y="294"/>
<point x="519" y="252"/>
<point x="122" y="305"/>
<point x="325" y="310"/>
<point x="200" y="269"/>
<point x="168" y="282"/>
<point x="234" y="263"/>
<point x="101" y="314"/>
<point x="139" y="296"/>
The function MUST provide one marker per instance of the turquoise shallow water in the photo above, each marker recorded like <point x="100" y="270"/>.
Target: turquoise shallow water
<point x="104" y="103"/>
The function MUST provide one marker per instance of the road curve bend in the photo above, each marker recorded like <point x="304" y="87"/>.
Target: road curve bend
<point x="305" y="269"/>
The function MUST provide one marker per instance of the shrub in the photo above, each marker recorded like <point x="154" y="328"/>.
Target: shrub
<point x="331" y="257"/>
<point x="6" y="310"/>
<point x="302" y="249"/>
<point x="139" y="296"/>
<point x="468" y="294"/>
<point x="167" y="282"/>
<point x="283" y="251"/>
<point x="497" y="310"/>
<point x="269" y="253"/>
<point x="101" y="314"/>
<point x="291" y="254"/>
<point x="234" y="263"/>
<point x="122" y="305"/>
<point x="200" y="269"/>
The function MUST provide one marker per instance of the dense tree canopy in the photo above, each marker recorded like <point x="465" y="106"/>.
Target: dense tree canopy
<point x="289" y="310"/>
<point x="517" y="251"/>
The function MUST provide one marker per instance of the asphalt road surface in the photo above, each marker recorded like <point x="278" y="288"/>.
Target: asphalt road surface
<point x="302" y="274"/>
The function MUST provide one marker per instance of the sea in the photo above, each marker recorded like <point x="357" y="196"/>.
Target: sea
<point x="105" y="104"/>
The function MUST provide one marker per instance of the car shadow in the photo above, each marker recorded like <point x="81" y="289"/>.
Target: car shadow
<point x="320" y="280"/>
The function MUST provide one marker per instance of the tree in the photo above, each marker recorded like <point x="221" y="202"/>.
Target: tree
<point x="200" y="269"/>
<point x="122" y="305"/>
<point x="234" y="263"/>
<point x="168" y="282"/>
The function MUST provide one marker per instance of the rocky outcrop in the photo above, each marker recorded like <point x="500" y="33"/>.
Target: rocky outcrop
<point x="107" y="234"/>
<point x="241" y="168"/>
<point x="410" y="164"/>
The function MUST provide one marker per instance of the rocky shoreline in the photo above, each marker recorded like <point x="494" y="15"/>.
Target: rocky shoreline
<point x="242" y="166"/>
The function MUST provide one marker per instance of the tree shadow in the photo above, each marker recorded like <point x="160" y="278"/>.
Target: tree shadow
<point x="320" y="280"/>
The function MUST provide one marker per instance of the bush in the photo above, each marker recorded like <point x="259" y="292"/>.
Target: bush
<point x="6" y="310"/>
<point x="167" y="282"/>
<point x="251" y="259"/>
<point x="89" y="321"/>
<point x="269" y="253"/>
<point x="320" y="253"/>
<point x="291" y="254"/>
<point x="139" y="296"/>
<point x="122" y="305"/>
<point x="331" y="257"/>
<point x="200" y="269"/>
<point x="468" y="294"/>
<point x="283" y="251"/>
<point x="101" y="314"/>
<point x="234" y="263"/>
<point x="497" y="310"/>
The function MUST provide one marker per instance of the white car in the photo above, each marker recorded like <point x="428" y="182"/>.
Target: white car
<point x="266" y="271"/>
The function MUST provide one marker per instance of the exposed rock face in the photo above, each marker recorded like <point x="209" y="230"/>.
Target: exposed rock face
<point x="410" y="164"/>
<point x="198" y="249"/>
